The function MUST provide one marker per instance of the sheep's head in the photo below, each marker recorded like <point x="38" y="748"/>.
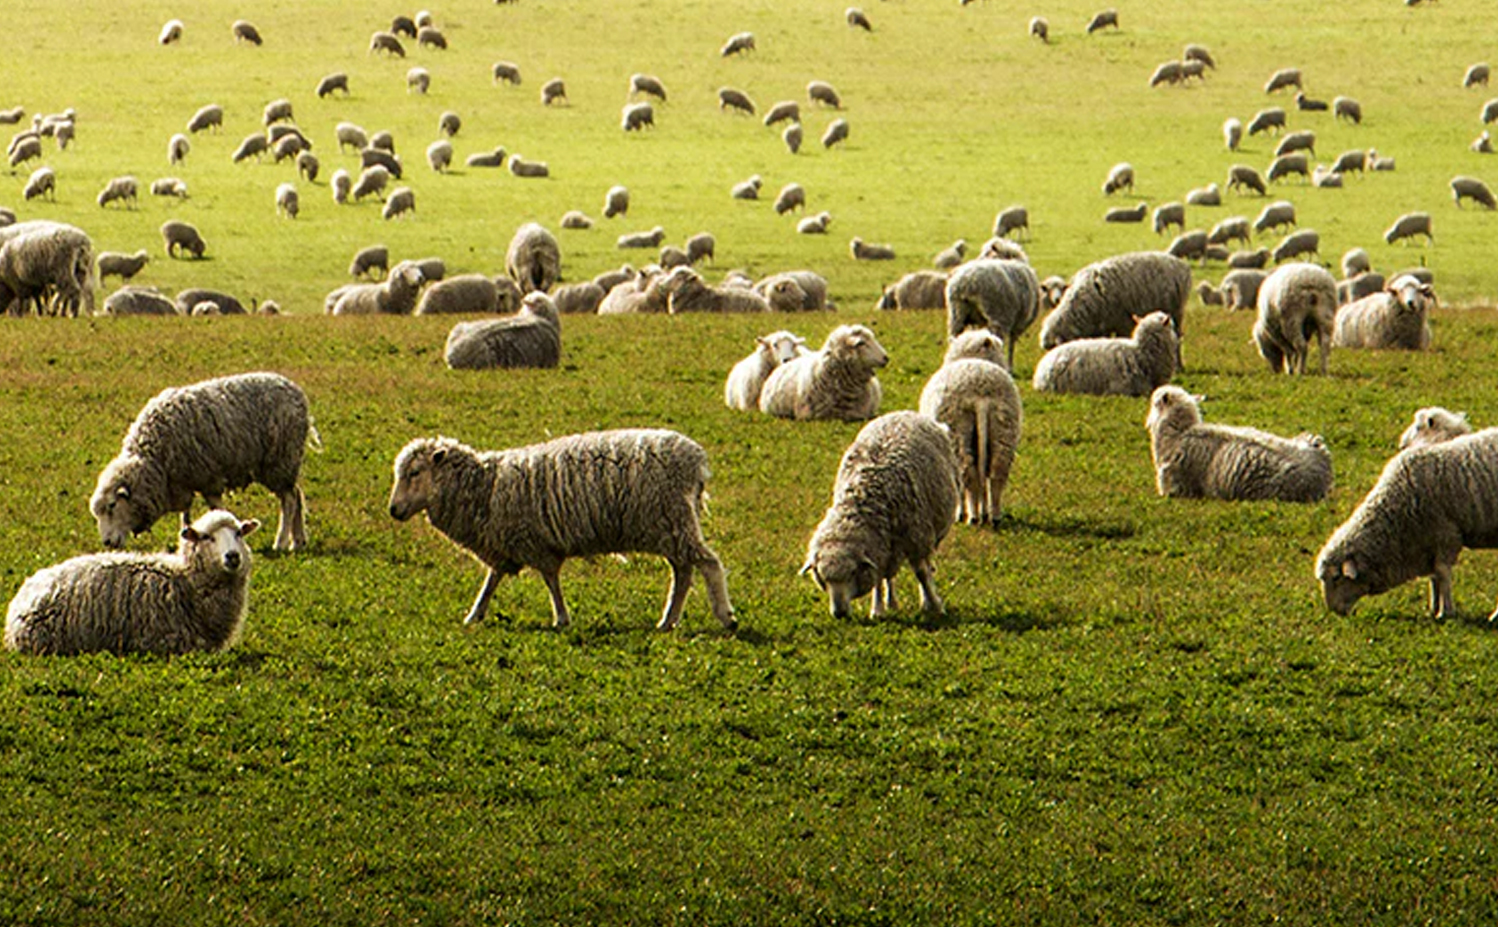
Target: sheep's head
<point x="780" y="347"/>
<point x="1053" y="289"/>
<point x="1411" y="294"/>
<point x="1344" y="583"/>
<point x="1172" y="407"/>
<point x="541" y="306"/>
<point x="1155" y="321"/>
<point x="124" y="503"/>
<point x="417" y="471"/>
<point x="977" y="343"/>
<point x="786" y="295"/>
<point x="215" y="544"/>
<point x="844" y="575"/>
<point x="1433" y="425"/>
<point x="858" y="345"/>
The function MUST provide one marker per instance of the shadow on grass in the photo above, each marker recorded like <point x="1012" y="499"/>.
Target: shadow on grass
<point x="1067" y="527"/>
<point x="1011" y="621"/>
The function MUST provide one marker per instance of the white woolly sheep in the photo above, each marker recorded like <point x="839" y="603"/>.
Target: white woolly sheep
<point x="782" y="295"/>
<point x="973" y="395"/>
<point x="642" y="294"/>
<point x="687" y="292"/>
<point x="1194" y="459"/>
<point x="276" y="111"/>
<point x="951" y="257"/>
<point x="577" y="496"/>
<point x="287" y="201"/>
<point x="1167" y="215"/>
<point x="532" y="338"/>
<point x="1474" y="189"/>
<point x="1276" y="215"/>
<point x="748" y="189"/>
<point x="742" y="387"/>
<point x="647" y="84"/>
<point x="1240" y="288"/>
<point x="1429" y="504"/>
<point x="1135" y="366"/>
<point x="1432" y="425"/>
<point x="1300" y="141"/>
<point x="170" y="32"/>
<point x="522" y="168"/>
<point x="122" y="189"/>
<point x="998" y="295"/>
<point x="25" y="149"/>
<point x="166" y="603"/>
<point x="418" y="79"/>
<point x="43" y="181"/>
<point x="739" y="42"/>
<point x="837" y="131"/>
<point x="583" y="297"/>
<point x="1286" y="166"/>
<point x="1012" y="219"/>
<point x="1247" y="258"/>
<point x="1168" y="72"/>
<point x="1361" y="285"/>
<point x="351" y="136"/>
<point x="179" y="235"/>
<point x="371" y="182"/>
<point x="1266" y="120"/>
<point x="224" y="304"/>
<point x="894" y="498"/>
<point x="1135" y="214"/>
<point x="397" y="295"/>
<point x="1477" y="75"/>
<point x="341" y="186"/>
<point x="1101" y="19"/>
<point x="617" y="201"/>
<point x="431" y="37"/>
<point x="1121" y="177"/>
<point x="1105" y="298"/>
<point x="816" y="224"/>
<point x="837" y="382"/>
<point x="1233" y="131"/>
<point x="491" y="159"/>
<point x="637" y="116"/>
<point x="1051" y="289"/>
<point x="208" y="117"/>
<point x="814" y="288"/>
<point x="1203" y="196"/>
<point x="402" y="200"/>
<point x="383" y="41"/>
<point x="1394" y="318"/>
<point x="791" y="137"/>
<point x="245" y="31"/>
<point x="1209" y="295"/>
<point x="1349" y="109"/>
<point x="533" y="259"/>
<point x="1195" y="52"/>
<point x="1409" y="226"/>
<point x="642" y="240"/>
<point x="253" y="146"/>
<point x="700" y="247"/>
<point x="45" y="263"/>
<point x="823" y="92"/>
<point x="177" y="148"/>
<point x="138" y="301"/>
<point x="1243" y="177"/>
<point x="576" y="219"/>
<point x="791" y="197"/>
<point x="338" y="80"/>
<point x="1296" y="302"/>
<point x="1286" y="77"/>
<point x="1189" y="245"/>
<point x="120" y="264"/>
<point x="1301" y="242"/>
<point x="1324" y="177"/>
<point x="870" y="252"/>
<point x="440" y="155"/>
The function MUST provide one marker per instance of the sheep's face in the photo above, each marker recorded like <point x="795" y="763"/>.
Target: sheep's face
<point x="1411" y="294"/>
<point x="1052" y="293"/>
<point x="1343" y="585"/>
<point x="1172" y="406"/>
<point x="1432" y="425"/>
<point x="215" y="545"/>
<point x="118" y="504"/>
<point x="857" y="344"/>
<point x="845" y="576"/>
<point x="415" y="478"/>
<point x="781" y="347"/>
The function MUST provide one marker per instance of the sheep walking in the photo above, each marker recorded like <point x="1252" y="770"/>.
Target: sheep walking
<point x="577" y="496"/>
<point x="1429" y="504"/>
<point x="973" y="395"/>
<point x="206" y="439"/>
<point x="1393" y="318"/>
<point x="191" y="600"/>
<point x="1194" y="459"/>
<point x="837" y="382"/>
<point x="1135" y="366"/>
<point x="743" y="386"/>
<point x="532" y="338"/>
<point x="999" y="295"/>
<point x="894" y="498"/>
<point x="1297" y="302"/>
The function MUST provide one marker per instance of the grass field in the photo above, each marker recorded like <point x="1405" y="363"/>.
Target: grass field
<point x="1136" y="710"/>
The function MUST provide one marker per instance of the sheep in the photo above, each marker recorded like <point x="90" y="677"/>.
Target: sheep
<point x="583" y="297"/>
<point x="288" y="146"/>
<point x="371" y="182"/>
<point x="179" y="235"/>
<point x="1169" y="214"/>
<point x="1051" y="290"/>
<point x="748" y="189"/>
<point x="894" y="498"/>
<point x="1168" y="72"/>
<point x="739" y="42"/>
<point x="1474" y="189"/>
<point x="1121" y="177"/>
<point x="1101" y="19"/>
<point x="169" y="187"/>
<point x="532" y="338"/>
<point x="533" y="258"/>
<point x="1012" y="219"/>
<point x="1359" y="285"/>
<point x="813" y="287"/>
<point x="418" y="79"/>
<point x="170" y="32"/>
<point x="974" y="396"/>
<point x="1240" y="288"/>
<point x="245" y="31"/>
<point x="1193" y="459"/>
<point x="1286" y="77"/>
<point x="1395" y="318"/>
<point x="553" y="91"/>
<point x="951" y="257"/>
<point x="1488" y="114"/>
<point x="43" y="181"/>
<point x="1477" y="75"/>
<point x="42" y="261"/>
<point x="286" y="200"/>
<point x="782" y="295"/>
<point x="368" y="259"/>
<point x="637" y="116"/>
<point x="1195" y="52"/>
<point x="816" y="224"/>
<point x="581" y="495"/>
<point x="1135" y="366"/>
<point x="1301" y="242"/>
<point x="837" y="382"/>
<point x="1308" y="104"/>
<point x="204" y="439"/>
<point x="700" y="247"/>
<point x="431" y="37"/>
<point x="351" y="136"/>
<point x="522" y="168"/>
<point x="253" y="146"/>
<point x="1266" y="120"/>
<point x="1005" y="249"/>
<point x="192" y="600"/>
<point x="1038" y="27"/>
<point x="338" y="80"/>
<point x="423" y="19"/>
<point x="870" y="252"/>
<point x="642" y="240"/>
<point x="649" y="85"/>
<point x="440" y="155"/>
<point x="1324" y="177"/>
<point x="491" y="159"/>
<point x="397" y="295"/>
<point x="1204" y="196"/>
<point x="121" y="265"/>
<point x="138" y="301"/>
<point x="919" y="290"/>
<point x="1246" y="258"/>
<point x="276" y="111"/>
<point x="823" y="92"/>
<point x="401" y="201"/>
<point x="672" y="257"/>
<point x="1209" y="295"/>
<point x="837" y="131"/>
<point x="1105" y="298"/>
<point x="1296" y="302"/>
<point x="383" y="41"/>
<point x="506" y="71"/>
<point x="1432" y="425"/>
<point x="1135" y="214"/>
<point x="25" y="150"/>
<point x="643" y="294"/>
<point x="1286" y="166"/>
<point x="576" y="219"/>
<point x="1428" y="505"/>
<point x="177" y="148"/>
<point x="12" y="116"/>
<point x="1352" y="160"/>
<point x="1409" y="226"/>
<point x="791" y="197"/>
<point x="1276" y="215"/>
<point x="743" y="386"/>
<point x="1235" y="228"/>
<point x="223" y="304"/>
<point x="782" y="111"/>
<point x="791" y="137"/>
<point x="1349" y="109"/>
<point x="341" y="186"/>
<point x="1233" y="131"/>
<point x="687" y="292"/>
<point x="856" y="17"/>
<point x="999" y="295"/>
<point x="122" y="189"/>
<point x="1302" y="140"/>
<point x="404" y="26"/>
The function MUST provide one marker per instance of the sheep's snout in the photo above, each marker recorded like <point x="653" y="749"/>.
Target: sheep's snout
<point x="232" y="561"/>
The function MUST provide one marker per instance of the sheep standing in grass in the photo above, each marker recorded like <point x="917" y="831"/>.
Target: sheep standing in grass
<point x="1135" y="366"/>
<point x="973" y="395"/>
<point x="39" y="258"/>
<point x="533" y="258"/>
<point x="616" y="201"/>
<point x="287" y="201"/>
<point x="637" y="116"/>
<point x="1102" y="19"/>
<point x="122" y="265"/>
<point x="1432" y="425"/>
<point x="1474" y="189"/>
<point x="1297" y="302"/>
<point x="577" y="496"/>
<point x="1014" y="219"/>
<point x="401" y="201"/>
<point x="553" y="91"/>
<point x="1301" y="242"/>
<point x="398" y="294"/>
<point x="731" y="99"/>
<point x="1429" y="504"/>
<point x="893" y="501"/>
<point x="1038" y="27"/>
<point x="43" y="182"/>
<point x="208" y="438"/>
<point x="823" y="92"/>
<point x="440" y="155"/>
<point x="1105" y="298"/>
<point x="165" y="603"/>
<point x="1241" y="288"/>
<point x="179" y="236"/>
<point x="837" y="382"/>
<point x="532" y="338"/>
<point x="999" y="295"/>
<point x="122" y="189"/>
<point x="837" y="131"/>
<point x="1394" y="318"/>
<point x="743" y="386"/>
<point x="1121" y="177"/>
<point x="1208" y="460"/>
<point x="739" y="42"/>
<point x="170" y="32"/>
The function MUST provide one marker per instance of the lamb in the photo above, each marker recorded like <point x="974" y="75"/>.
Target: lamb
<point x="122" y="265"/>
<point x="532" y="338"/>
<point x="372" y="182"/>
<point x="637" y="116"/>
<point x="287" y="201"/>
<point x="1276" y="215"/>
<point x="648" y="84"/>
<point x="581" y="495"/>
<point x="1360" y="285"/>
<point x="823" y="92"/>
<point x="1194" y="459"/>
<point x="1101" y="19"/>
<point x="138" y="301"/>
<point x="1266" y="120"/>
<point x="1395" y="318"/>
<point x="1286" y="77"/>
<point x="1477" y="75"/>
<point x="743" y="386"/>
<point x="1204" y="196"/>
<point x="122" y="189"/>
<point x="1409" y="226"/>
<point x="700" y="247"/>
<point x="164" y="603"/>
<point x="1121" y="177"/>
<point x="1234" y="131"/>
<point x="1428" y="505"/>
<point x="893" y="500"/>
<point x="398" y="294"/>
<point x="1301" y="242"/>
<point x="338" y="80"/>
<point x="179" y="235"/>
<point x="1287" y="165"/>
<point x="973" y="395"/>
<point x="1241" y="288"/>
<point x="1134" y="366"/>
<point x="402" y="200"/>
<point x="864" y="251"/>
<point x="533" y="258"/>
<point x="42" y="260"/>
<point x="791" y="197"/>
<point x="642" y="240"/>
<point x="739" y="42"/>
<point x="1105" y="298"/>
<point x="837" y="131"/>
<point x="813" y="286"/>
<point x="1012" y="219"/>
<point x="170" y="32"/>
<point x="522" y="168"/>
<point x="1135" y="214"/>
<point x="418" y="79"/>
<point x="1296" y="302"/>
<point x="1052" y="288"/>
<point x="207" y="438"/>
<point x="1432" y="425"/>
<point x="951" y="257"/>
<point x="816" y="224"/>
<point x="383" y="41"/>
<point x="341" y="186"/>
<point x="43" y="181"/>
<point x="999" y="295"/>
<point x="506" y="71"/>
<point x="1474" y="189"/>
<point x="837" y="382"/>
<point x="1038" y="27"/>
<point x="1169" y="214"/>
<point x="491" y="159"/>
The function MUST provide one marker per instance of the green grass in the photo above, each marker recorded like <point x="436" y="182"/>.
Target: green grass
<point x="1136" y="711"/>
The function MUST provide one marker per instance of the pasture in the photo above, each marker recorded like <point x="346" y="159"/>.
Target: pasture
<point x="1136" y="710"/>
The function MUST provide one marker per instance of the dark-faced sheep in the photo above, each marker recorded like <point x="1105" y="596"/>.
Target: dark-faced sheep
<point x="1102" y="19"/>
<point x="1121" y="177"/>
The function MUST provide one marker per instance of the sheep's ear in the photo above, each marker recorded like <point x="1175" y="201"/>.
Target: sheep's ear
<point x="190" y="534"/>
<point x="439" y="454"/>
<point x="1427" y="291"/>
<point x="1135" y="319"/>
<point x="1462" y="417"/>
<point x="123" y="492"/>
<point x="1199" y="398"/>
<point x="806" y="566"/>
<point x="1348" y="570"/>
<point x="249" y="526"/>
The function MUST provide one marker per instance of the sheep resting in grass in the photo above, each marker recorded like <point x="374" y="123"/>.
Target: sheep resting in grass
<point x="532" y="338"/>
<point x="837" y="382"/>
<point x="167" y="603"/>
<point x="1110" y="365"/>
<point x="893" y="501"/>
<point x="919" y="290"/>
<point x="1394" y="318"/>
<point x="207" y="438"/>
<point x="1432" y="425"/>
<point x="397" y="294"/>
<point x="1000" y="295"/>
<point x="1197" y="459"/>
<point x="687" y="292"/>
<point x="814" y="288"/>
<point x="1105" y="298"/>
<point x="464" y="293"/>
<point x="1296" y="302"/>
<point x="138" y="301"/>
<point x="742" y="387"/>
<point x="589" y="494"/>
<point x="1429" y="504"/>
<point x="974" y="396"/>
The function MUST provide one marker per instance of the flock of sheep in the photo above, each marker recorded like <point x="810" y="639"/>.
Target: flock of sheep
<point x="1116" y="327"/>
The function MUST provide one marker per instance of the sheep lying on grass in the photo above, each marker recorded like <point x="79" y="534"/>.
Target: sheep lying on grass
<point x="919" y="290"/>
<point x="973" y="395"/>
<point x="743" y="386"/>
<point x="397" y="294"/>
<point x="530" y="339"/>
<point x="1134" y="366"/>
<point x="837" y="382"/>
<point x="1393" y="318"/>
<point x="577" y="496"/>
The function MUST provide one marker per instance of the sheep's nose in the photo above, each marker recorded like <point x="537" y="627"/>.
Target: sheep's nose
<point x="231" y="560"/>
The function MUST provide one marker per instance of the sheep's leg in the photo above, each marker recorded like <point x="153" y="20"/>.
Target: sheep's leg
<point x="878" y="605"/>
<point x="482" y="602"/>
<point x="290" y="530"/>
<point x="554" y="587"/>
<point x="931" y="603"/>
<point x="1442" y="591"/>
<point x="712" y="571"/>
<point x="682" y="579"/>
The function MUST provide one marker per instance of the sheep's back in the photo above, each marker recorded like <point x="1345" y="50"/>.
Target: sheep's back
<point x="114" y="602"/>
<point x="1104" y="297"/>
<point x="899" y="478"/>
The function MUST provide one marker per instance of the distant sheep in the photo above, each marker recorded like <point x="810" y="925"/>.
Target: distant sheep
<point x="583" y="297"/>
<point x="642" y="240"/>
<point x="1232" y="229"/>
<point x="816" y="224"/>
<point x="616" y="202"/>
<point x="1477" y="75"/>
<point x="951" y="257"/>
<point x="138" y="301"/>
<point x="178" y="236"/>
<point x="791" y="137"/>
<point x="397" y="295"/>
<point x="223" y="304"/>
<point x="276" y="111"/>
<point x="169" y="187"/>
<point x="700" y="247"/>
<point x="491" y="159"/>
<point x="1297" y="302"/>
<point x="737" y="43"/>
<point x="351" y="136"/>
<point x="1105" y="298"/>
<point x="1349" y="109"/>
<point x="783" y="111"/>
<point x="1286" y="77"/>
<point x="1195" y="52"/>
<point x="171" y="32"/>
<point x="1286" y="166"/>
<point x="553" y="91"/>
<point x="1038" y="28"/>
<point x="532" y="338"/>
<point x="253" y="146"/>
<point x="533" y="259"/>
<point x="1168" y="72"/>
<point x="1233" y="131"/>
<point x="121" y="265"/>
<point x="402" y="200"/>
<point x="1276" y="215"/>
<point x="1135" y="366"/>
<point x="813" y="286"/>
<point x="1246" y="258"/>
<point x="1350" y="161"/>
<point x="1241" y="288"/>
<point x="208" y="117"/>
<point x="329" y="83"/>
<point x="973" y="395"/>
<point x="506" y="71"/>
<point x="368" y="259"/>
<point x="837" y="382"/>
<point x="791" y="197"/>
<point x="122" y="189"/>
<point x="386" y="42"/>
<point x="1359" y="285"/>
<point x="649" y="85"/>
<point x="1409" y="226"/>
<point x="637" y="116"/>
<point x="1378" y="162"/>
<point x="998" y="295"/>
<point x="1266" y="120"/>
<point x="837" y="131"/>
<point x="177" y="148"/>
<point x="856" y="18"/>
<point x="1168" y="215"/>
<point x="1102" y="19"/>
<point x="743" y="386"/>
<point x="919" y="290"/>
<point x="1203" y="196"/>
<point x="1135" y="214"/>
<point x="287" y="203"/>
<point x="440" y="155"/>
<point x="1012" y="219"/>
<point x="869" y="252"/>
<point x="1121" y="177"/>
<point x="418" y="79"/>
<point x="823" y="92"/>
<point x="341" y="186"/>
<point x="1300" y="141"/>
<point x="245" y="31"/>
<point x="687" y="292"/>
<point x="1299" y="243"/>
<point x="1432" y="425"/>
<point x="42" y="182"/>
<point x="1394" y="318"/>
<point x="522" y="168"/>
<point x="372" y="182"/>
<point x="576" y="219"/>
<point x="431" y="37"/>
<point x="1308" y="104"/>
<point x="1474" y="189"/>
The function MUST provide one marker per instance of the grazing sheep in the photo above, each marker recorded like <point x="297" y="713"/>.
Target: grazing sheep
<point x="506" y="71"/>
<point x="402" y="200"/>
<point x="1428" y="505"/>
<point x="449" y="123"/>
<point x="170" y="32"/>
<point x="1135" y="214"/>
<point x="254" y="145"/>
<point x="553" y="91"/>
<point x="1286" y="77"/>
<point x="1432" y="425"/>
<point x="404" y="26"/>
<point x="368" y="259"/>
<point x="386" y="42"/>
<point x="739" y="42"/>
<point x="1354" y="261"/>
<point x="338" y="80"/>
<point x="1488" y="113"/>
<point x="823" y="92"/>
<point x="341" y="186"/>
<point x="1394" y="318"/>
<point x="532" y="338"/>
<point x="791" y="197"/>
<point x="1235" y="228"/>
<point x="649" y="85"/>
<point x="193" y="600"/>
<point x="431" y="37"/>
<point x="743" y="386"/>
<point x="869" y="252"/>
<point x="440" y="155"/>
<point x="288" y="146"/>
<point x="951" y="257"/>
<point x="812" y="286"/>
<point x="351" y="136"/>
<point x="138" y="301"/>
<point x="1003" y="248"/>
<point x="43" y="262"/>
<point x="223" y="304"/>
<point x="1409" y="226"/>
<point x="1478" y="75"/>
<point x="1259" y="258"/>
<point x="856" y="17"/>
<point x="418" y="79"/>
<point x="581" y="495"/>
<point x="207" y="438"/>
<point x="180" y="235"/>
<point x="1167" y="215"/>
<point x="637" y="116"/>
<point x="1194" y="459"/>
<point x="120" y="264"/>
<point x="1276" y="215"/>
<point x="1349" y="109"/>
<point x="642" y="240"/>
<point x="177" y="148"/>
<point x="837" y="382"/>
<point x="397" y="295"/>
<point x="1296" y="302"/>
<point x="1301" y="242"/>
<point x="25" y="149"/>
<point x="122" y="189"/>
<point x="893" y="500"/>
<point x="245" y="31"/>
<point x="1234" y="131"/>
<point x="918" y="290"/>
<point x="1038" y="28"/>
<point x="1193" y="69"/>
<point x="617" y="201"/>
<point x="1101" y="19"/>
<point x="1240" y="288"/>
<point x="583" y="297"/>
<point x="999" y="295"/>
<point x="816" y="224"/>
<point x="1012" y="219"/>
<point x="286" y="200"/>
<point x="974" y="396"/>
<point x="522" y="168"/>
<point x="1302" y="140"/>
<point x="1195" y="52"/>
<point x="1121" y="177"/>
<point x="1350" y="161"/>
<point x="533" y="258"/>
<point x="1135" y="366"/>
<point x="837" y="131"/>
<point x="641" y="294"/>
<point x="1105" y="298"/>
<point x="372" y="182"/>
<point x="1474" y="189"/>
<point x="1168" y="72"/>
<point x="169" y="187"/>
<point x="1204" y="196"/>
<point x="783" y="111"/>
<point x="12" y="116"/>
<point x="1286" y="166"/>
<point x="699" y="247"/>
<point x="208" y="117"/>
<point x="276" y="111"/>
<point x="1266" y="120"/>
<point x="43" y="181"/>
<point x="748" y="189"/>
<point x="1309" y="105"/>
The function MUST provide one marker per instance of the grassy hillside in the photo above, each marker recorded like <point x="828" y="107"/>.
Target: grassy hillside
<point x="1137" y="710"/>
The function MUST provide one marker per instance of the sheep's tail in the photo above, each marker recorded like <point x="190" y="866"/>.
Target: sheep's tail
<point x="982" y="437"/>
<point x="314" y="439"/>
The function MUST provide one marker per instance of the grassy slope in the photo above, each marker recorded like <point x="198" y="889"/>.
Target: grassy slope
<point x="1137" y="710"/>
